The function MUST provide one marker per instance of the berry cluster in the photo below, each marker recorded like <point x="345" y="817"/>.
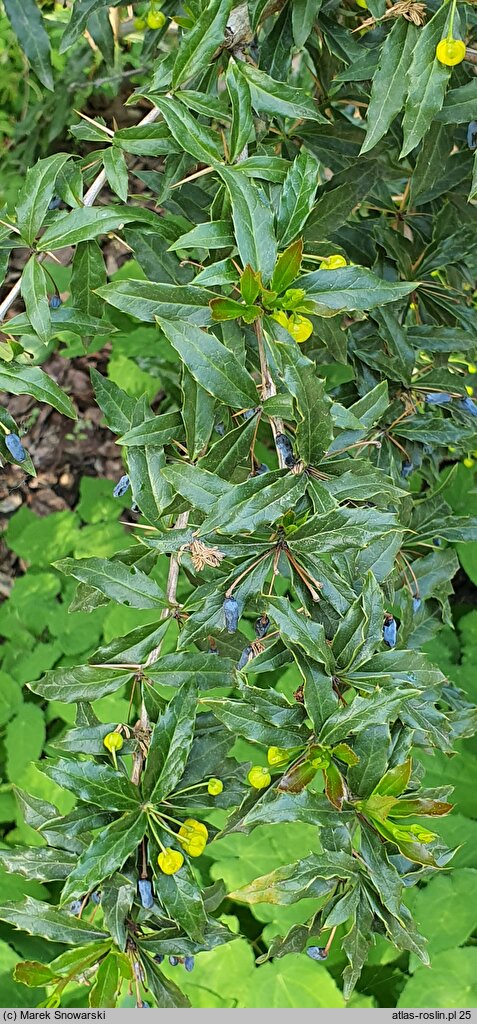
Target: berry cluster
<point x="187" y="961"/>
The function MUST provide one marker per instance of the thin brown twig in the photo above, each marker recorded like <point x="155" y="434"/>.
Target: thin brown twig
<point x="171" y="590"/>
<point x="276" y="560"/>
<point x="89" y="199"/>
<point x="269" y="390"/>
<point x="413" y="574"/>
<point x="246" y="571"/>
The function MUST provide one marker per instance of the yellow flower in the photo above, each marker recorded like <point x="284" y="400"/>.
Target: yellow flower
<point x="333" y="262"/>
<point x="281" y="318"/>
<point x="195" y="846"/>
<point x="156" y="19"/>
<point x="450" y="51"/>
<point x="300" y="327"/>
<point x="259" y="777"/>
<point x="170" y="861"/>
<point x="193" y="836"/>
<point x="191" y="825"/>
<point x="113" y="741"/>
<point x="277" y="756"/>
<point x="215" y="787"/>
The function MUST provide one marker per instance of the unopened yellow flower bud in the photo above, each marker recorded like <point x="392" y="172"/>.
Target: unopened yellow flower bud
<point x="156" y="19"/>
<point x="170" y="861"/>
<point x="193" y="836"/>
<point x="277" y="756"/>
<point x="191" y="825"/>
<point x="281" y="318"/>
<point x="215" y="787"/>
<point x="333" y="262"/>
<point x="259" y="777"/>
<point x="300" y="327"/>
<point x="113" y="741"/>
<point x="450" y="51"/>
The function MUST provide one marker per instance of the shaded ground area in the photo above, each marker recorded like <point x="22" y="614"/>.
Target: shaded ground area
<point x="63" y="451"/>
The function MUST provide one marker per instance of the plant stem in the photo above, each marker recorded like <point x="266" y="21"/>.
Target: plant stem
<point x="269" y="389"/>
<point x="451" y="20"/>
<point x="246" y="571"/>
<point x="171" y="589"/>
<point x="89" y="200"/>
<point x="158" y="841"/>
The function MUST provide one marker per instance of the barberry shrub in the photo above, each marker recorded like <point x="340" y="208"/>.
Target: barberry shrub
<point x="303" y="253"/>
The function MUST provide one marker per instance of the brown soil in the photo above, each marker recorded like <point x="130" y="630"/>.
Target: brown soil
<point x="63" y="451"/>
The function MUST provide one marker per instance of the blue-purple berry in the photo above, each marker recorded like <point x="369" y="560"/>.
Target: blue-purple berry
<point x="54" y="203"/>
<point x="249" y="413"/>
<point x="96" y="898"/>
<point x="262" y="625"/>
<point x="390" y="631"/>
<point x="437" y="542"/>
<point x="261" y="469"/>
<point x="438" y="398"/>
<point x="158" y="958"/>
<point x="15" y="447"/>
<point x="219" y="429"/>
<point x="143" y="1006"/>
<point x="121" y="487"/>
<point x="416" y="604"/>
<point x="285" y="448"/>
<point x="173" y="960"/>
<point x="55" y="302"/>
<point x="244" y="657"/>
<point x="406" y="469"/>
<point x="468" y="406"/>
<point x="472" y="135"/>
<point x="317" y="953"/>
<point x="145" y="893"/>
<point x="189" y="963"/>
<point x="75" y="907"/>
<point x="231" y="614"/>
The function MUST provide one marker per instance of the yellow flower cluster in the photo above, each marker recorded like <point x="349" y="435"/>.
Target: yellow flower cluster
<point x="193" y="836"/>
<point x="298" y="326"/>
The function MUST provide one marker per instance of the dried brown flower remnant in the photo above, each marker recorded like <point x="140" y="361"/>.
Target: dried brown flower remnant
<point x="201" y="555"/>
<point x="298" y="694"/>
<point x="411" y="10"/>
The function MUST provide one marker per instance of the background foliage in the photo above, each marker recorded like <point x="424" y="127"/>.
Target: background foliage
<point x="335" y="124"/>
